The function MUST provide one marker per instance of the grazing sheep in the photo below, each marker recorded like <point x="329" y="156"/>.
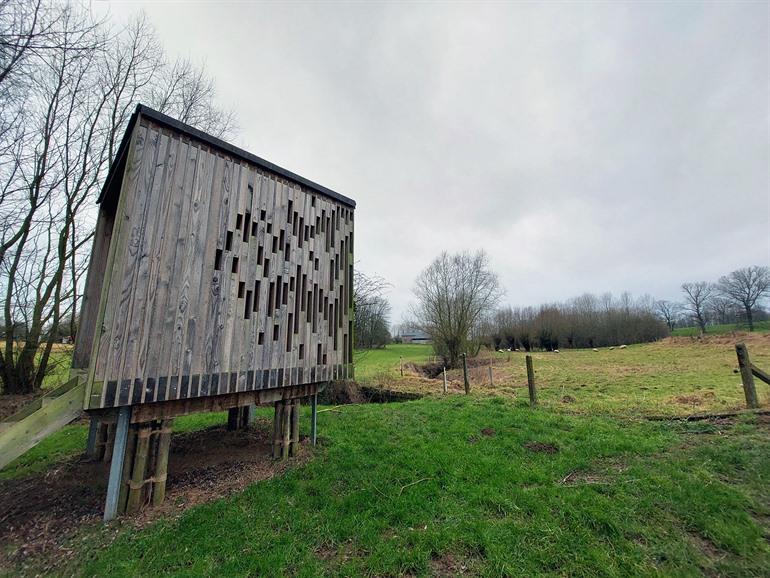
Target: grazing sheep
<point x="595" y="349"/>
<point x="622" y="347"/>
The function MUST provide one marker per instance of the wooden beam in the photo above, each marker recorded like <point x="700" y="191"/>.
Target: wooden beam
<point x="116" y="467"/>
<point x="759" y="374"/>
<point x="179" y="407"/>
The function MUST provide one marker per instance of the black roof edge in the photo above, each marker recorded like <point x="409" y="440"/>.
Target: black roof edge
<point x="217" y="143"/>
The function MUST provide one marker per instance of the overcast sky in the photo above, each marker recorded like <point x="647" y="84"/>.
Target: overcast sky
<point x="586" y="147"/>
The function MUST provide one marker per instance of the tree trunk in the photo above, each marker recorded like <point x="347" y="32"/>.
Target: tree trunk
<point x="749" y="319"/>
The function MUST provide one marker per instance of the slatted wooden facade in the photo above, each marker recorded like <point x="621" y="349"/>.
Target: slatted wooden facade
<point x="213" y="272"/>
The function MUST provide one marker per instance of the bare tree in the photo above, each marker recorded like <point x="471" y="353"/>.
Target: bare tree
<point x="669" y="311"/>
<point x="744" y="287"/>
<point x="68" y="86"/>
<point x="454" y="293"/>
<point x="698" y="298"/>
<point x="372" y="311"/>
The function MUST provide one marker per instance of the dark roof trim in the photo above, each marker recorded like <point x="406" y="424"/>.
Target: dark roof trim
<point x="217" y="143"/>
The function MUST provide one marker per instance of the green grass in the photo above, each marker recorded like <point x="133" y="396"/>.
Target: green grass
<point x="677" y="376"/>
<point x="373" y="363"/>
<point x="759" y="326"/>
<point x="417" y="488"/>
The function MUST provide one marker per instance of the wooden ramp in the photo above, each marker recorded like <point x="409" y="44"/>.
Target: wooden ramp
<point x="44" y="416"/>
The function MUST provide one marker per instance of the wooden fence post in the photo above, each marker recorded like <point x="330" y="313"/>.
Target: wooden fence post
<point x="445" y="389"/>
<point x="531" y="382"/>
<point x="491" y="381"/>
<point x="744" y="364"/>
<point x="401" y="365"/>
<point x="465" y="374"/>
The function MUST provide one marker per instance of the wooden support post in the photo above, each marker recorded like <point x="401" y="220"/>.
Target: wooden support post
<point x="491" y="382"/>
<point x="233" y="417"/>
<point x="531" y="382"/>
<point x="249" y="415"/>
<point x="401" y="365"/>
<point x="116" y="466"/>
<point x="136" y="485"/>
<point x="161" y="462"/>
<point x="314" y="418"/>
<point x="109" y="442"/>
<point x="445" y="388"/>
<point x="285" y="429"/>
<point x="128" y="464"/>
<point x="294" y="444"/>
<point x="277" y="429"/>
<point x="744" y="364"/>
<point x="93" y="434"/>
<point x="465" y="374"/>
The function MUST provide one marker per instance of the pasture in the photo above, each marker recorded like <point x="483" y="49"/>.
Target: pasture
<point x="477" y="485"/>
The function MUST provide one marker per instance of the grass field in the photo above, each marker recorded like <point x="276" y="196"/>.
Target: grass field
<point x="479" y="486"/>
<point x="676" y="376"/>
<point x="482" y="485"/>
<point x="759" y="326"/>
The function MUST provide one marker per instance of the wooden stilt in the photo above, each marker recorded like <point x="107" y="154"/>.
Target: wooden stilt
<point x="109" y="442"/>
<point x="137" y="483"/>
<point x="128" y="463"/>
<point x="93" y="434"/>
<point x="161" y="463"/>
<point x="314" y="418"/>
<point x="233" y="417"/>
<point x="116" y="466"/>
<point x="277" y="429"/>
<point x="294" y="445"/>
<point x="286" y="429"/>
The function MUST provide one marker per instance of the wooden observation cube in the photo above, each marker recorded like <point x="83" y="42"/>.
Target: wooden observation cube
<point x="217" y="281"/>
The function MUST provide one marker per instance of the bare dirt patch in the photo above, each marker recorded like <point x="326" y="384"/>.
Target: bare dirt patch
<point x="41" y="514"/>
<point x="452" y="565"/>
<point x="488" y="432"/>
<point x="541" y="447"/>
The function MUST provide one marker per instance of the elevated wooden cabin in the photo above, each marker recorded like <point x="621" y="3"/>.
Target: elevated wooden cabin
<point x="217" y="280"/>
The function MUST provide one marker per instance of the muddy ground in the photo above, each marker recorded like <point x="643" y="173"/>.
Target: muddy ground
<point x="41" y="514"/>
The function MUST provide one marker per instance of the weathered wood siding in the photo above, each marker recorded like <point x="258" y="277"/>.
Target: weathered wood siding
<point x="223" y="276"/>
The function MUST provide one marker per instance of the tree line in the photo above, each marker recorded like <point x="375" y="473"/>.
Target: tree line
<point x="736" y="298"/>
<point x="68" y="86"/>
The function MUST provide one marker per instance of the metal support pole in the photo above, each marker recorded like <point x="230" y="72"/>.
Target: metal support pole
<point x="116" y="465"/>
<point x="93" y="432"/>
<point x="314" y="417"/>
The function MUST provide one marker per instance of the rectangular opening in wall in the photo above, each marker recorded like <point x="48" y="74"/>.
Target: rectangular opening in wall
<point x="254" y="228"/>
<point x="262" y="215"/>
<point x="302" y="351"/>
<point x="276" y="332"/>
<point x="229" y="241"/>
<point x="278" y="288"/>
<point x="312" y="201"/>
<point x="218" y="260"/>
<point x="288" y="213"/>
<point x="259" y="255"/>
<point x="261" y="338"/>
<point x="235" y="265"/>
<point x="289" y="334"/>
<point x="285" y="298"/>
<point x="275" y="245"/>
<point x="328" y="313"/>
<point x="282" y="235"/>
<point x="247" y="307"/>
<point x="247" y="220"/>
<point x="315" y="264"/>
<point x="287" y="252"/>
<point x="323" y="359"/>
<point x="256" y="295"/>
<point x="241" y="289"/>
<point x="318" y="355"/>
<point x="294" y="224"/>
<point x="238" y="222"/>
<point x="291" y="283"/>
<point x="269" y="228"/>
<point x="312" y="231"/>
<point x="303" y="288"/>
<point x="270" y="297"/>
<point x="266" y="271"/>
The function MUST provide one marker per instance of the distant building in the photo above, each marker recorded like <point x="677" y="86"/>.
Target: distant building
<point x="415" y="336"/>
